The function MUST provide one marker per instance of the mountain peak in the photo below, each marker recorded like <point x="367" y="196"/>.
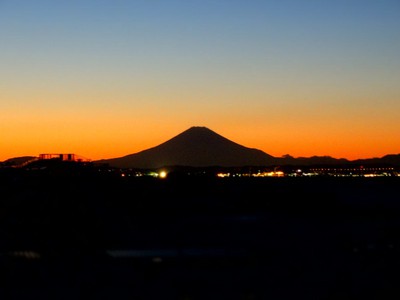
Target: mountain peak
<point x="198" y="134"/>
<point x="199" y="130"/>
<point x="197" y="146"/>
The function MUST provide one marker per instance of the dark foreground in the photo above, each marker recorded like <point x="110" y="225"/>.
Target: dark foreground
<point x="78" y="237"/>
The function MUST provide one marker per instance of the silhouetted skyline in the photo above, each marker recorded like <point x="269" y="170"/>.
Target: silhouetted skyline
<point x="107" y="78"/>
<point x="200" y="146"/>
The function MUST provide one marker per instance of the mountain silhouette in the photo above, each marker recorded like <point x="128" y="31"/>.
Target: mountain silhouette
<point x="17" y="161"/>
<point x="195" y="147"/>
<point x="202" y="147"/>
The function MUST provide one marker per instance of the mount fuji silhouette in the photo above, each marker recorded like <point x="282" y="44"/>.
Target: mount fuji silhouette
<point x="195" y="147"/>
<point x="202" y="147"/>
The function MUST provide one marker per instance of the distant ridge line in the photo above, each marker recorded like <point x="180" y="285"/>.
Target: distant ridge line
<point x="199" y="146"/>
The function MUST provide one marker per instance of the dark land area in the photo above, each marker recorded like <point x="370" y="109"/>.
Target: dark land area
<point x="72" y="232"/>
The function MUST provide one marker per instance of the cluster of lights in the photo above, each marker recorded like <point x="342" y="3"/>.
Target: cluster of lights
<point x="270" y="174"/>
<point x="339" y="172"/>
<point x="162" y="174"/>
<point x="259" y="174"/>
<point x="355" y="172"/>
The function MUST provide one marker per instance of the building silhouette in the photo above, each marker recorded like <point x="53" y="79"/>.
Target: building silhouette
<point x="63" y="157"/>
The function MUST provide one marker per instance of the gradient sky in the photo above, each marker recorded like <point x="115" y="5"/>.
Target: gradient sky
<point x="109" y="78"/>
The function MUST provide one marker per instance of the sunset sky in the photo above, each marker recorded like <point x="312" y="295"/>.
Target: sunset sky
<point x="109" y="78"/>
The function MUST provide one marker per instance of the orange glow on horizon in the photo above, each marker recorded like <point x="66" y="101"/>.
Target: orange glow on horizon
<point x="109" y="130"/>
<point x="106" y="142"/>
<point x="112" y="80"/>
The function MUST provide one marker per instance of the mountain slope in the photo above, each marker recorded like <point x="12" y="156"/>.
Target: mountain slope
<point x="195" y="147"/>
<point x="17" y="161"/>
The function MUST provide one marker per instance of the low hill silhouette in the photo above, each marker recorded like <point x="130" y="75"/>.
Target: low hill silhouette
<point x="197" y="147"/>
<point x="17" y="161"/>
